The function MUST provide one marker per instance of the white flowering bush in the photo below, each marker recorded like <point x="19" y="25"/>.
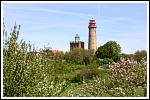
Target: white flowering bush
<point x="129" y="74"/>
<point x="94" y="88"/>
<point x="25" y="73"/>
<point x="125" y="76"/>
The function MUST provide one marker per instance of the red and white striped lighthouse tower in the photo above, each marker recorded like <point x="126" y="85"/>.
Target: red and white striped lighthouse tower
<point x="92" y="43"/>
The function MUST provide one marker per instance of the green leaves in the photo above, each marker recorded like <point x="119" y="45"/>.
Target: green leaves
<point x="139" y="54"/>
<point x="23" y="71"/>
<point x="79" y="56"/>
<point x="109" y="50"/>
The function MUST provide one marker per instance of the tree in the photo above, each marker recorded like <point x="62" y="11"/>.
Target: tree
<point x="58" y="57"/>
<point x="127" y="56"/>
<point x="27" y="74"/>
<point x="88" y="56"/>
<point x="139" y="54"/>
<point x="109" y="50"/>
<point x="79" y="56"/>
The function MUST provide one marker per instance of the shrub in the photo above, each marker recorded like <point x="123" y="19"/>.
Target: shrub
<point x="126" y="73"/>
<point x="66" y="68"/>
<point x="77" y="79"/>
<point x="89" y="71"/>
<point x="26" y="74"/>
<point x="125" y="78"/>
<point x="104" y="61"/>
<point x="94" y="88"/>
<point x="79" y="56"/>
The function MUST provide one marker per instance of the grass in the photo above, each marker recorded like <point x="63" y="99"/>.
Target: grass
<point x="140" y="92"/>
<point x="73" y="88"/>
<point x="104" y="74"/>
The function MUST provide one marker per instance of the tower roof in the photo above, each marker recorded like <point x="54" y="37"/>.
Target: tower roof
<point x="77" y="36"/>
<point x="92" y="19"/>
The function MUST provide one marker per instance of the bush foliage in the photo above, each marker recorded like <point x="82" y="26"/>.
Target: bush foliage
<point x="26" y="73"/>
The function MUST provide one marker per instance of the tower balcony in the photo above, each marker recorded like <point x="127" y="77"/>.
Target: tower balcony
<point x="90" y="26"/>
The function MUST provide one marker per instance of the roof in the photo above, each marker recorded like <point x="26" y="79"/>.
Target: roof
<point x="77" y="36"/>
<point x="54" y="51"/>
<point x="92" y="19"/>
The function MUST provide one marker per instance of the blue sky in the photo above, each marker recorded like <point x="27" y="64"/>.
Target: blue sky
<point x="58" y="23"/>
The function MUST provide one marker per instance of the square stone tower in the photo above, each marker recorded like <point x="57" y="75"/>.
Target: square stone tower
<point x="77" y="43"/>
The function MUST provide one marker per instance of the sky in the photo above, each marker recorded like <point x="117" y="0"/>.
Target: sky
<point x="58" y="23"/>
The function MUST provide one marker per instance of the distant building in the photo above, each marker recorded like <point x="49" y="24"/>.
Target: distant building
<point x="52" y="52"/>
<point x="49" y="49"/>
<point x="77" y="43"/>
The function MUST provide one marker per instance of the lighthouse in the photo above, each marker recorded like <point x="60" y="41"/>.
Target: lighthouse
<point x="92" y="43"/>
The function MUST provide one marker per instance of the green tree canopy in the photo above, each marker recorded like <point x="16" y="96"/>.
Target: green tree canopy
<point x="79" y="56"/>
<point x="58" y="58"/>
<point x="127" y="56"/>
<point x="110" y="50"/>
<point x="139" y="54"/>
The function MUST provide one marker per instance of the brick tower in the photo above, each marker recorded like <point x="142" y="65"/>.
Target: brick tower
<point x="77" y="43"/>
<point x="92" y="43"/>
